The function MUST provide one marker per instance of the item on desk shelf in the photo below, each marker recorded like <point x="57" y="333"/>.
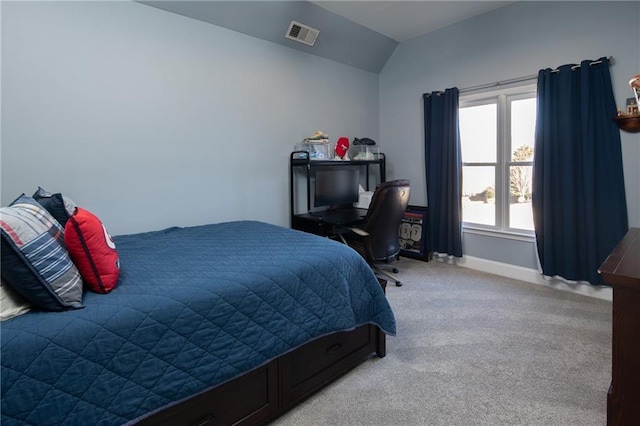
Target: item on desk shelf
<point x="364" y="153"/>
<point x="299" y="148"/>
<point x="318" y="136"/>
<point x="314" y="151"/>
<point x="364" y="198"/>
<point x="342" y="146"/>
<point x="319" y="151"/>
<point x="318" y="146"/>
<point x="363" y="149"/>
<point x="363" y="141"/>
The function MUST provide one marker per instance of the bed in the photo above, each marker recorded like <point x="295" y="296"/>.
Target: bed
<point x="219" y="324"/>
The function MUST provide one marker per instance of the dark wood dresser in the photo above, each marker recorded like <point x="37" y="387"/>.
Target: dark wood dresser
<point x="622" y="271"/>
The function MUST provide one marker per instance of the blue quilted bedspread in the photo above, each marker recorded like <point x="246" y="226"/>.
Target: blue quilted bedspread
<point x="194" y="307"/>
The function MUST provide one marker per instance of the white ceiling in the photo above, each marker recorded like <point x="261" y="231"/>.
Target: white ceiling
<point x="405" y="19"/>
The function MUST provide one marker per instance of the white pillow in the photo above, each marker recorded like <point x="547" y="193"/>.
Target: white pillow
<point x="11" y="303"/>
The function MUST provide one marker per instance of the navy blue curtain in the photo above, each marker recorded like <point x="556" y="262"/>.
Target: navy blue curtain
<point x="579" y="203"/>
<point x="443" y="162"/>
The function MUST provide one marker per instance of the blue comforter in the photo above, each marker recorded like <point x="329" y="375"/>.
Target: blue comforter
<point x="194" y="307"/>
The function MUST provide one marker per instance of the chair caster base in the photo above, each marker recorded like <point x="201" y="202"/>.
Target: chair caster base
<point x="391" y="277"/>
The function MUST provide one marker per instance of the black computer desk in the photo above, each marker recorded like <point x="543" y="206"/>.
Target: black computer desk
<point x="323" y="222"/>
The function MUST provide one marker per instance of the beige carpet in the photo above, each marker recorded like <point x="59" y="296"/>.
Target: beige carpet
<point x="476" y="349"/>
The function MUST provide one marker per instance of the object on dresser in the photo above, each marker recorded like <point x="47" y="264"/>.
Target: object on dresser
<point x="632" y="106"/>
<point x="635" y="88"/>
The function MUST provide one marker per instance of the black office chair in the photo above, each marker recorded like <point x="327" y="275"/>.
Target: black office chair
<point x="376" y="238"/>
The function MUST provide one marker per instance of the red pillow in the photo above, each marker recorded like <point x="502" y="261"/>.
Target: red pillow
<point x="92" y="250"/>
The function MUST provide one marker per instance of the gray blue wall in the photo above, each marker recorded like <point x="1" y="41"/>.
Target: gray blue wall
<point x="510" y="42"/>
<point x="150" y="119"/>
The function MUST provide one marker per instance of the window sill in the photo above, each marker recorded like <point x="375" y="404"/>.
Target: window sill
<point x="509" y="235"/>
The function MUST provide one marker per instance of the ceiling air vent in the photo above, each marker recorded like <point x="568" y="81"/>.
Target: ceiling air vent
<point x="302" y="33"/>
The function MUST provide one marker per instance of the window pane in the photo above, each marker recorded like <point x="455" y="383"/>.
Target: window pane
<point x="478" y="195"/>
<point x="523" y="126"/>
<point x="520" y="213"/>
<point x="478" y="133"/>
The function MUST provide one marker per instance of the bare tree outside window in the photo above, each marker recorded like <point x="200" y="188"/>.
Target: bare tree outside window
<point x="521" y="176"/>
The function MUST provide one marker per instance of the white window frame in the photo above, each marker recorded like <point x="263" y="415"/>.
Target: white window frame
<point x="502" y="97"/>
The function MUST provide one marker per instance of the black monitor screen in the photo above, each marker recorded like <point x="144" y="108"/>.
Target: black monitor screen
<point x="336" y="186"/>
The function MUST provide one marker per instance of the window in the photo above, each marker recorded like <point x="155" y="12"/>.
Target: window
<point x="497" y="138"/>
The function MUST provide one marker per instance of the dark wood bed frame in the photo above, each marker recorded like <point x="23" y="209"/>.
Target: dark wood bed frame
<point x="267" y="392"/>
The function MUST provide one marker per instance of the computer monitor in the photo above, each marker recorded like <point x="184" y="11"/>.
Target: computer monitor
<point x="335" y="186"/>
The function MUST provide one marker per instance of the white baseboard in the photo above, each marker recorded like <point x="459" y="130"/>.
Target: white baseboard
<point x="532" y="276"/>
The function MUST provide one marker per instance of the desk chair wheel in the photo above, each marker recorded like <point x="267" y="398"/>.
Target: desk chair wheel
<point x="398" y="284"/>
<point x="395" y="270"/>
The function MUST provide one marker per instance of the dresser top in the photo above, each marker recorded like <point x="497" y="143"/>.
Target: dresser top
<point x="622" y="267"/>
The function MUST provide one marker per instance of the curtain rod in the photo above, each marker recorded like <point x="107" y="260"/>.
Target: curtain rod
<point x="526" y="78"/>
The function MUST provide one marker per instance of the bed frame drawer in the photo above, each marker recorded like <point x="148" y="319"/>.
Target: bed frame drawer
<point x="249" y="400"/>
<point x="261" y="395"/>
<point x="320" y="362"/>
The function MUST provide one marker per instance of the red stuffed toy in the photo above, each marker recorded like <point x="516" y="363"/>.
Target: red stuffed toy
<point x="342" y="146"/>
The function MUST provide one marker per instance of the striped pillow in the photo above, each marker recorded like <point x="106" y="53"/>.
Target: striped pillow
<point x="35" y="261"/>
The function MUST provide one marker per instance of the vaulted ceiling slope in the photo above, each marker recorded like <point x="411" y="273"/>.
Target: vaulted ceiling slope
<point x="405" y="19"/>
<point x="361" y="34"/>
<point x="340" y="40"/>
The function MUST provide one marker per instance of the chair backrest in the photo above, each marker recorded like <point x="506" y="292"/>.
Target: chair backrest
<point x="386" y="210"/>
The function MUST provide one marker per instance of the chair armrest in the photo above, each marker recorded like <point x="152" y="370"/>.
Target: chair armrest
<point x="359" y="231"/>
<point x="340" y="231"/>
